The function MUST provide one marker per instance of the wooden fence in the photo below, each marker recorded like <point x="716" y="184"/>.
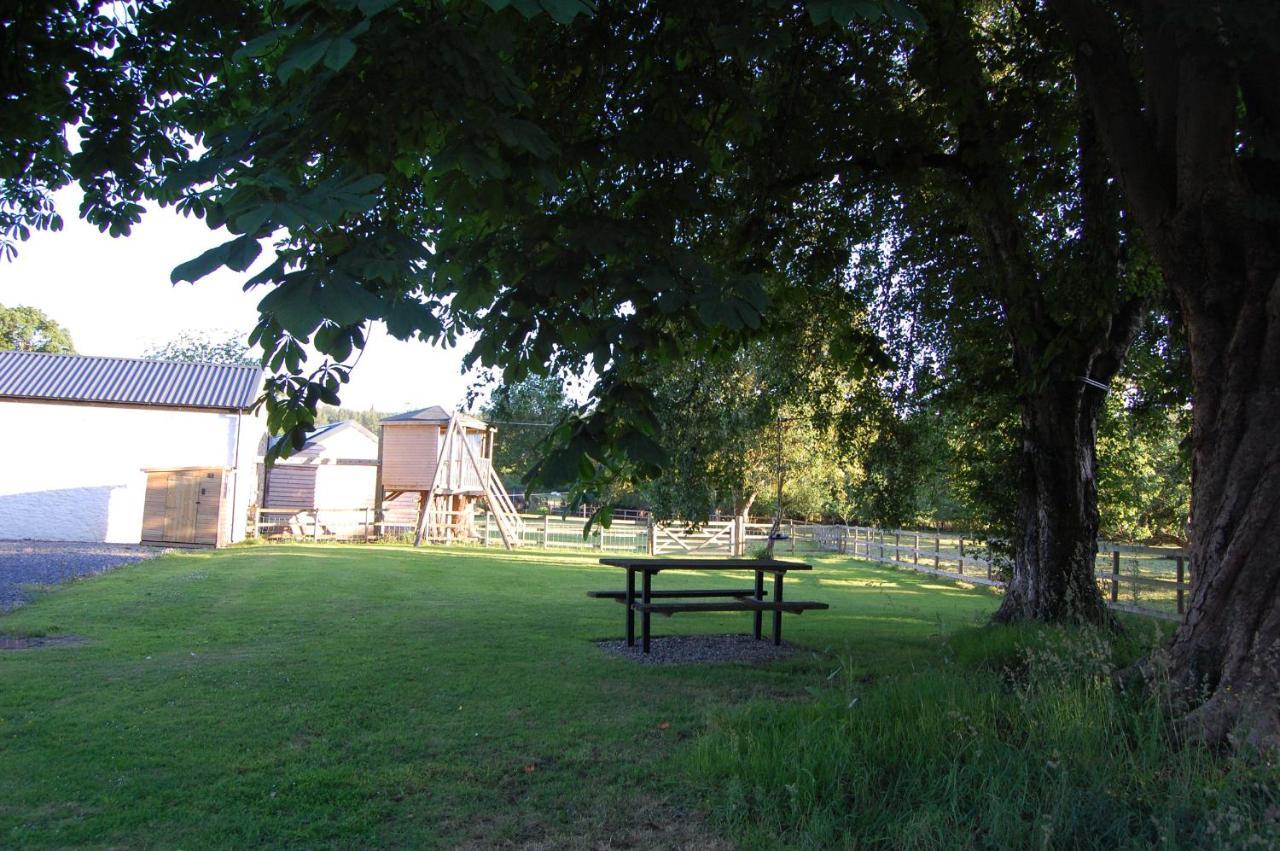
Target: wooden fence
<point x="1144" y="580"/>
<point x="358" y="525"/>
<point x="545" y="531"/>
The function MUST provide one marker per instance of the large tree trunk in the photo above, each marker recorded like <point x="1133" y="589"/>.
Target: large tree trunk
<point x="1057" y="512"/>
<point x="1225" y="657"/>
<point x="1193" y="142"/>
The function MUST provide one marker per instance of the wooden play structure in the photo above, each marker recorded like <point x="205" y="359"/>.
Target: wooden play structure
<point x="447" y="459"/>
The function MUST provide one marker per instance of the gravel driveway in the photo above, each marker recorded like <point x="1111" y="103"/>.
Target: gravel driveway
<point x="49" y="562"/>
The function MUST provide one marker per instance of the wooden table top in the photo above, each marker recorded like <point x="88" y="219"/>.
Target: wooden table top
<point x="655" y="565"/>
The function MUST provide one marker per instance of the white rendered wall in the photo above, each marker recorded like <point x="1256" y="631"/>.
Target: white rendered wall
<point x="71" y="472"/>
<point x="346" y="486"/>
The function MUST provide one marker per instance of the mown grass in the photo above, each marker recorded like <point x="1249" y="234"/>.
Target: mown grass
<point x="329" y="695"/>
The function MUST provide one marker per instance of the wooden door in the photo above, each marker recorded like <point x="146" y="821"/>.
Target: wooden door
<point x="182" y="507"/>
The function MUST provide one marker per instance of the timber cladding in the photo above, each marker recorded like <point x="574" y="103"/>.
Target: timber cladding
<point x="409" y="453"/>
<point x="187" y="506"/>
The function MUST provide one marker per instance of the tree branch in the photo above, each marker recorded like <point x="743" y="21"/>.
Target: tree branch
<point x="1102" y="66"/>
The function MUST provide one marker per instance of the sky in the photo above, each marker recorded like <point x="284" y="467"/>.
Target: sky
<point x="114" y="297"/>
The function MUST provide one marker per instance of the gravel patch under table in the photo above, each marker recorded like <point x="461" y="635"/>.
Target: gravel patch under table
<point x="700" y="649"/>
<point x="51" y="562"/>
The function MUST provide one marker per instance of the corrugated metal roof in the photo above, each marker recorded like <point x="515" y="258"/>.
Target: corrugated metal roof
<point x="436" y="414"/>
<point x="127" y="381"/>
<point x="323" y="431"/>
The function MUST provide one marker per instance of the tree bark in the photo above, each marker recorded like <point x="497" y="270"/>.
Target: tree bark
<point x="1057" y="511"/>
<point x="1193" y="145"/>
<point x="1225" y="656"/>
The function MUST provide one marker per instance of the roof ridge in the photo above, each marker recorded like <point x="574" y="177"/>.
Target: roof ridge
<point x="131" y="359"/>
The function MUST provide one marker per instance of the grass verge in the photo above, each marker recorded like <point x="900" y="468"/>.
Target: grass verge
<point x="1017" y="739"/>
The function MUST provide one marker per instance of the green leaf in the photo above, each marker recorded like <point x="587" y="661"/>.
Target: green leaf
<point x="564" y="11"/>
<point x="292" y="303"/>
<point x="340" y="52"/>
<point x="374" y="7"/>
<point x="302" y="58"/>
<point x="263" y="44"/>
<point x="242" y="252"/>
<point x="207" y="263"/>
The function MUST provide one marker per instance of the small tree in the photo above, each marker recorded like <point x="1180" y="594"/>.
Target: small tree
<point x="27" y="329"/>
<point x="524" y="412"/>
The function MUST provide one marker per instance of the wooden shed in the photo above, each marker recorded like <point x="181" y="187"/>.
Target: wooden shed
<point x="447" y="459"/>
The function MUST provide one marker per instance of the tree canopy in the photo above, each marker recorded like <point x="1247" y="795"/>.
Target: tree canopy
<point x="27" y="329"/>
<point x="525" y="412"/>
<point x="205" y="347"/>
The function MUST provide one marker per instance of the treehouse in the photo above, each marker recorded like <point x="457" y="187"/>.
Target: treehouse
<point x="447" y="460"/>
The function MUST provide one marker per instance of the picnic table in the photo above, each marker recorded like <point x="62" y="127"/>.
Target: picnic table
<point x="670" y="602"/>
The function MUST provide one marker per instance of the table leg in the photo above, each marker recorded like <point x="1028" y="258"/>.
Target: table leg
<point x="758" y="617"/>
<point x="644" y="618"/>
<point x="631" y="615"/>
<point x="777" y="613"/>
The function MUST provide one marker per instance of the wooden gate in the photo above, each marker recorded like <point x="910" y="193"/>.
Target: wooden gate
<point x="184" y="507"/>
<point x="716" y="537"/>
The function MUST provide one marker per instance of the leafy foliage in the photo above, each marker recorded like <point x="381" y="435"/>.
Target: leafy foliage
<point x="28" y="329"/>
<point x="370" y="419"/>
<point x="205" y="347"/>
<point x="524" y="413"/>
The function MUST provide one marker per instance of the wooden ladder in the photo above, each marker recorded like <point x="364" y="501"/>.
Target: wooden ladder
<point x="510" y="524"/>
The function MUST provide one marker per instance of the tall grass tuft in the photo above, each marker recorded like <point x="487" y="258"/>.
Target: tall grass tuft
<point x="1017" y="740"/>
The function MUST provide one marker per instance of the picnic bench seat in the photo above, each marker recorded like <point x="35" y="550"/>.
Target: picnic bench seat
<point x="641" y="601"/>
<point x="621" y="596"/>
<point x="747" y="605"/>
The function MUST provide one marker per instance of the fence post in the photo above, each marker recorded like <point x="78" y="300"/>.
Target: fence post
<point x="792" y="532"/>
<point x="897" y="550"/>
<point x="1181" y="592"/>
<point x="653" y="533"/>
<point x="315" y="525"/>
<point x="882" y="540"/>
<point x="915" y="551"/>
<point x="366" y="524"/>
<point x="546" y="530"/>
<point x="937" y="550"/>
<point x="1115" y="575"/>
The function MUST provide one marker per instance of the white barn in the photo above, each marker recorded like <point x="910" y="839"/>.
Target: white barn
<point x="121" y="450"/>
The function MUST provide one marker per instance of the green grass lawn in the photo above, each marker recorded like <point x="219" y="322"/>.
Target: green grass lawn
<point x="375" y="696"/>
<point x="331" y="695"/>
